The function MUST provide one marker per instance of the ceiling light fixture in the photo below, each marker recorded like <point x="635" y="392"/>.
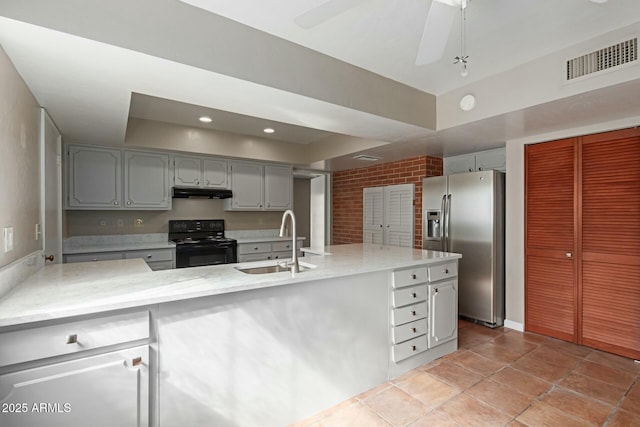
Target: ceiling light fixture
<point x="205" y="119"/>
<point x="268" y="130"/>
<point x="463" y="58"/>
<point x="468" y="102"/>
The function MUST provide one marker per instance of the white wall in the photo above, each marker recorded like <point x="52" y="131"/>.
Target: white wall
<point x="19" y="162"/>
<point x="514" y="245"/>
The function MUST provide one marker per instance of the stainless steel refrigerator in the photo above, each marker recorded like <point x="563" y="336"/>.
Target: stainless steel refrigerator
<point x="464" y="213"/>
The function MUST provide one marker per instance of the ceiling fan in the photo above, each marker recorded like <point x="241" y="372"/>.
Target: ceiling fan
<point x="434" y="37"/>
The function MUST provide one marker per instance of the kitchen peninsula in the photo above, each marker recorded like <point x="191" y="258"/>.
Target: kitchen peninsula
<point x="214" y="345"/>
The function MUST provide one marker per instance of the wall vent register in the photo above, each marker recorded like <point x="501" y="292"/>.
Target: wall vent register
<point x="603" y="59"/>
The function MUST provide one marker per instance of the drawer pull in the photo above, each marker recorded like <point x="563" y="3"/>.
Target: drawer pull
<point x="414" y="295"/>
<point x="137" y="361"/>
<point x="255" y="249"/>
<point x="149" y="256"/>
<point x="446" y="271"/>
<point x="71" y="339"/>
<point x="414" y="277"/>
<point x="414" y="348"/>
<point x="413" y="313"/>
<point x="414" y="330"/>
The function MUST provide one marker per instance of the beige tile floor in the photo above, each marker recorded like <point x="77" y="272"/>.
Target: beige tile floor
<point x="501" y="377"/>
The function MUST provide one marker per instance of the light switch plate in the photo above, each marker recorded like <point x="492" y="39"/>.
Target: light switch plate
<point x="8" y="239"/>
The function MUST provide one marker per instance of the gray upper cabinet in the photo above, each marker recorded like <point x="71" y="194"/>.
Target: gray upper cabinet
<point x="146" y="179"/>
<point x="258" y="187"/>
<point x="278" y="187"/>
<point x="94" y="178"/>
<point x="187" y="171"/>
<point x="247" y="186"/>
<point x="480" y="161"/>
<point x="100" y="178"/>
<point x="200" y="172"/>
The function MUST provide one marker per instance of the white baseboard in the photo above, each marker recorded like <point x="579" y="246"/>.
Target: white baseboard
<point x="513" y="325"/>
<point x="16" y="272"/>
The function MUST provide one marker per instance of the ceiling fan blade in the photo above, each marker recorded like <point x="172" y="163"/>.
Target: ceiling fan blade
<point x="436" y="32"/>
<point x="324" y="12"/>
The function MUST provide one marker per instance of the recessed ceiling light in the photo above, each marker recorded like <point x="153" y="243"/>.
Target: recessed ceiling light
<point x="205" y="119"/>
<point x="468" y="102"/>
<point x="268" y="130"/>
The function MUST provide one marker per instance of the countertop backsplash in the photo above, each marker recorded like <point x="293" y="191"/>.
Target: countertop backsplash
<point x="82" y="242"/>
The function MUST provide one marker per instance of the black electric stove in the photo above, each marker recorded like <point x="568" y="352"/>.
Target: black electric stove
<point x="201" y="242"/>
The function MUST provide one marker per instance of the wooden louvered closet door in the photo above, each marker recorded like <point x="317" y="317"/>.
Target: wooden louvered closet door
<point x="550" y="240"/>
<point x="610" y="232"/>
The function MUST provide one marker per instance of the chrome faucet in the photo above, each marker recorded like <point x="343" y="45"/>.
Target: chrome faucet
<point x="295" y="267"/>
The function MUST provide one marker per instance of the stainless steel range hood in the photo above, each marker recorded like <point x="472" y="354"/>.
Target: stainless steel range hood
<point x="202" y="193"/>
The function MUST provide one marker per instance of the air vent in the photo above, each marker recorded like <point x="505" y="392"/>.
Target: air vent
<point x="367" y="158"/>
<point x="603" y="59"/>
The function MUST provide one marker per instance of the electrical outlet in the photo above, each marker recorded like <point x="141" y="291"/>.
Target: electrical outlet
<point x="38" y="232"/>
<point x="8" y="239"/>
<point x="138" y="222"/>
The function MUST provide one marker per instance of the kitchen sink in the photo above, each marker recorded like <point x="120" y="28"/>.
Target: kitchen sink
<point x="271" y="268"/>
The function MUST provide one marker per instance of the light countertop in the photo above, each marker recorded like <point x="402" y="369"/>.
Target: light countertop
<point x="64" y="290"/>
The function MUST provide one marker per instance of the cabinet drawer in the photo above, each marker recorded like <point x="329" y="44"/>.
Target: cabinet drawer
<point x="161" y="265"/>
<point x="443" y="271"/>
<point x="96" y="256"/>
<point x="410" y="295"/>
<point x="409" y="313"/>
<point x="408" y="331"/>
<point x="409" y="348"/>
<point x="280" y="255"/>
<point x="410" y="276"/>
<point x="151" y="255"/>
<point x="264" y="256"/>
<point x="281" y="246"/>
<point x="48" y="341"/>
<point x="253" y="248"/>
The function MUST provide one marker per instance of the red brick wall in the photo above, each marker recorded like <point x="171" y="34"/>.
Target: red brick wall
<point x="347" y="193"/>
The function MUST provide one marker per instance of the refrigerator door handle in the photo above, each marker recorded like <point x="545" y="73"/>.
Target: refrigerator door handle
<point x="443" y="213"/>
<point x="448" y="226"/>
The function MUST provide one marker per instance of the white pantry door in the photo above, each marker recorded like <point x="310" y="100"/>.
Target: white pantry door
<point x="399" y="215"/>
<point x="50" y="188"/>
<point x="372" y="215"/>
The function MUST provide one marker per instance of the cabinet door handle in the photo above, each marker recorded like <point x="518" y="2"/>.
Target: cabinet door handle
<point x="115" y="202"/>
<point x="414" y="348"/>
<point x="136" y="361"/>
<point x="149" y="256"/>
<point x="414" y="330"/>
<point x="128" y="202"/>
<point x="569" y="255"/>
<point x="446" y="271"/>
<point x="470" y="170"/>
<point x="414" y="295"/>
<point x="414" y="277"/>
<point x="255" y="249"/>
<point x="197" y="182"/>
<point x="413" y="313"/>
<point x="71" y="339"/>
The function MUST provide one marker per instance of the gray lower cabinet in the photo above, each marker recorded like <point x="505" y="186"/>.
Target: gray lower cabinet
<point x="444" y="317"/>
<point x="106" y="390"/>
<point x="92" y="372"/>
<point x="262" y="251"/>
<point x="156" y="259"/>
<point x="423" y="314"/>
